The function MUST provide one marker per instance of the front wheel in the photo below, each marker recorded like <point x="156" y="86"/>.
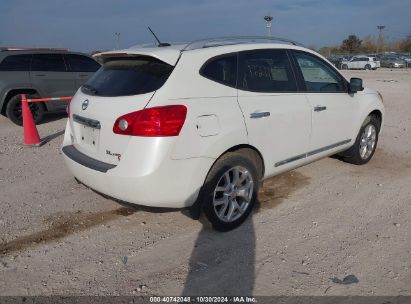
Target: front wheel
<point x="230" y="191"/>
<point x="367" y="67"/>
<point x="14" y="110"/>
<point x="365" y="144"/>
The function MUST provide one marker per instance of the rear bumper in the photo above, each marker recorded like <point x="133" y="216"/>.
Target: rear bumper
<point x="171" y="184"/>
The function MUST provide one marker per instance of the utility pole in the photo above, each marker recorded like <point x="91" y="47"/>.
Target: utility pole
<point x="118" y="40"/>
<point x="380" y="37"/>
<point x="269" y="20"/>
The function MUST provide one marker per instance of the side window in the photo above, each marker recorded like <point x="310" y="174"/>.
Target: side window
<point x="318" y="75"/>
<point x="16" y="63"/>
<point x="266" y="71"/>
<point x="48" y="62"/>
<point x="222" y="69"/>
<point x="79" y="63"/>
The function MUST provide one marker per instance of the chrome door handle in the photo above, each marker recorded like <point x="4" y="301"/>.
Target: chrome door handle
<point x="320" y="108"/>
<point x="259" y="114"/>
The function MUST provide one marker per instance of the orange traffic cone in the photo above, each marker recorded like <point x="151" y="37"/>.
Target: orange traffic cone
<point x="31" y="135"/>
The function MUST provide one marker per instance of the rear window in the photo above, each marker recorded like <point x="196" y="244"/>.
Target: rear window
<point x="16" y="63"/>
<point x="128" y="76"/>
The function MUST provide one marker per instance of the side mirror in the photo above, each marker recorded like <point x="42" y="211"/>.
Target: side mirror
<point x="355" y="85"/>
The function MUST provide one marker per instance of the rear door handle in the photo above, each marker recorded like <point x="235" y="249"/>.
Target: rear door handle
<point x="320" y="108"/>
<point x="259" y="114"/>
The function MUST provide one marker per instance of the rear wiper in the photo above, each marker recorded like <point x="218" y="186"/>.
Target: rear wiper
<point x="90" y="88"/>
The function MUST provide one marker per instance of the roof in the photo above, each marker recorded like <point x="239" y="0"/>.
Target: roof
<point x="170" y="54"/>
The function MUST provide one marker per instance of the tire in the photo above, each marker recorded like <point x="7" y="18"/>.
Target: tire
<point x="344" y="67"/>
<point x="227" y="203"/>
<point x="391" y="65"/>
<point x="367" y="67"/>
<point x="365" y="144"/>
<point x="14" y="113"/>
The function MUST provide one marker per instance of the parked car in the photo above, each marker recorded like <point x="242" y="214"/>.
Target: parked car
<point x="406" y="58"/>
<point x="40" y="73"/>
<point x="361" y="63"/>
<point x="336" y="61"/>
<point x="392" y="62"/>
<point x="200" y="125"/>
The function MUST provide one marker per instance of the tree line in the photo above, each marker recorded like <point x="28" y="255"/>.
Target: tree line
<point x="369" y="44"/>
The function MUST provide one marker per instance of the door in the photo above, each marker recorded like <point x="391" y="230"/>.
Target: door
<point x="82" y="67"/>
<point x="332" y="108"/>
<point x="354" y="63"/>
<point x="50" y="77"/>
<point x="276" y="114"/>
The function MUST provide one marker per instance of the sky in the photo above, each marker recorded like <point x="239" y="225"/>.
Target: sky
<point x="87" y="25"/>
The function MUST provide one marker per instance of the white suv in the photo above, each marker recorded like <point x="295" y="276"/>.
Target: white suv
<point x="199" y="125"/>
<point x="361" y="63"/>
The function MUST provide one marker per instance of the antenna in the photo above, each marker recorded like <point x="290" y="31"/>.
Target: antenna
<point x="160" y="44"/>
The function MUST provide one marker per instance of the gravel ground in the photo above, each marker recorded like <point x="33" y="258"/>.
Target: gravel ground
<point x="314" y="226"/>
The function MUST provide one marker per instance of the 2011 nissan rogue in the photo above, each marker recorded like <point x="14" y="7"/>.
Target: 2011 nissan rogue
<point x="201" y="124"/>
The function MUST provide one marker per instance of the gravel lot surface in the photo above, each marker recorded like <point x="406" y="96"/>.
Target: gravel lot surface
<point x="314" y="226"/>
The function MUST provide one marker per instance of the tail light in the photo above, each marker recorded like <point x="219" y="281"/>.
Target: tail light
<point x="157" y="121"/>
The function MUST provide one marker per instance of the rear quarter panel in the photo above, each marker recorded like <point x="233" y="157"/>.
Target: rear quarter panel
<point x="214" y="120"/>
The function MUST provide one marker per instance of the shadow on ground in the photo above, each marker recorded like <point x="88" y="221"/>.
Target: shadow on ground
<point x="224" y="263"/>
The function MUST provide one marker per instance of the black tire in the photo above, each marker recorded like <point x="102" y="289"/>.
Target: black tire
<point x="14" y="112"/>
<point x="367" y="67"/>
<point x="344" y="67"/>
<point x="391" y="65"/>
<point x="353" y="155"/>
<point x="229" y="161"/>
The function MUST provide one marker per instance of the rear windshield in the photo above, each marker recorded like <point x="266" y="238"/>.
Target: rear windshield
<point x="128" y="76"/>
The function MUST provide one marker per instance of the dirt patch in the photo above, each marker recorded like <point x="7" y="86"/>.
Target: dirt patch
<point x="279" y="188"/>
<point x="62" y="225"/>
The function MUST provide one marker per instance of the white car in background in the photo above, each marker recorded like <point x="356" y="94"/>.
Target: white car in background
<point x="360" y="63"/>
<point x="200" y="125"/>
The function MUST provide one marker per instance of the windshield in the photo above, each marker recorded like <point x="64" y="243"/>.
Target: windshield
<point x="128" y="76"/>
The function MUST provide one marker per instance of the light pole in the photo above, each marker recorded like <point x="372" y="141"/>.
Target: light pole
<point x="269" y="20"/>
<point x="380" y="37"/>
<point x="118" y="40"/>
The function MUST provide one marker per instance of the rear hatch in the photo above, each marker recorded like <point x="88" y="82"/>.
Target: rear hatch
<point x="124" y="84"/>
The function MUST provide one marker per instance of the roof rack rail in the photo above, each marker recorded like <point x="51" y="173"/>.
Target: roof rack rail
<point x="231" y="40"/>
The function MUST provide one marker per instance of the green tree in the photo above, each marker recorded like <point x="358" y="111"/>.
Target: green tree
<point x="352" y="44"/>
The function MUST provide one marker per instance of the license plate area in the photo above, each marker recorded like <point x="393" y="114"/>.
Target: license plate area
<point x="89" y="136"/>
<point x="89" y="131"/>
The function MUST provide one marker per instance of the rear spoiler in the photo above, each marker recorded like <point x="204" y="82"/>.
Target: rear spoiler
<point x="170" y="57"/>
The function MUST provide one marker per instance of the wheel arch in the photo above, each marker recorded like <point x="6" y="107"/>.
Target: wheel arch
<point x="13" y="92"/>
<point x="379" y="116"/>
<point x="252" y="153"/>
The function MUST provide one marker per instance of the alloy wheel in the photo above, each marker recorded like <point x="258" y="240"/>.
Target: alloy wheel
<point x="233" y="194"/>
<point x="368" y="141"/>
